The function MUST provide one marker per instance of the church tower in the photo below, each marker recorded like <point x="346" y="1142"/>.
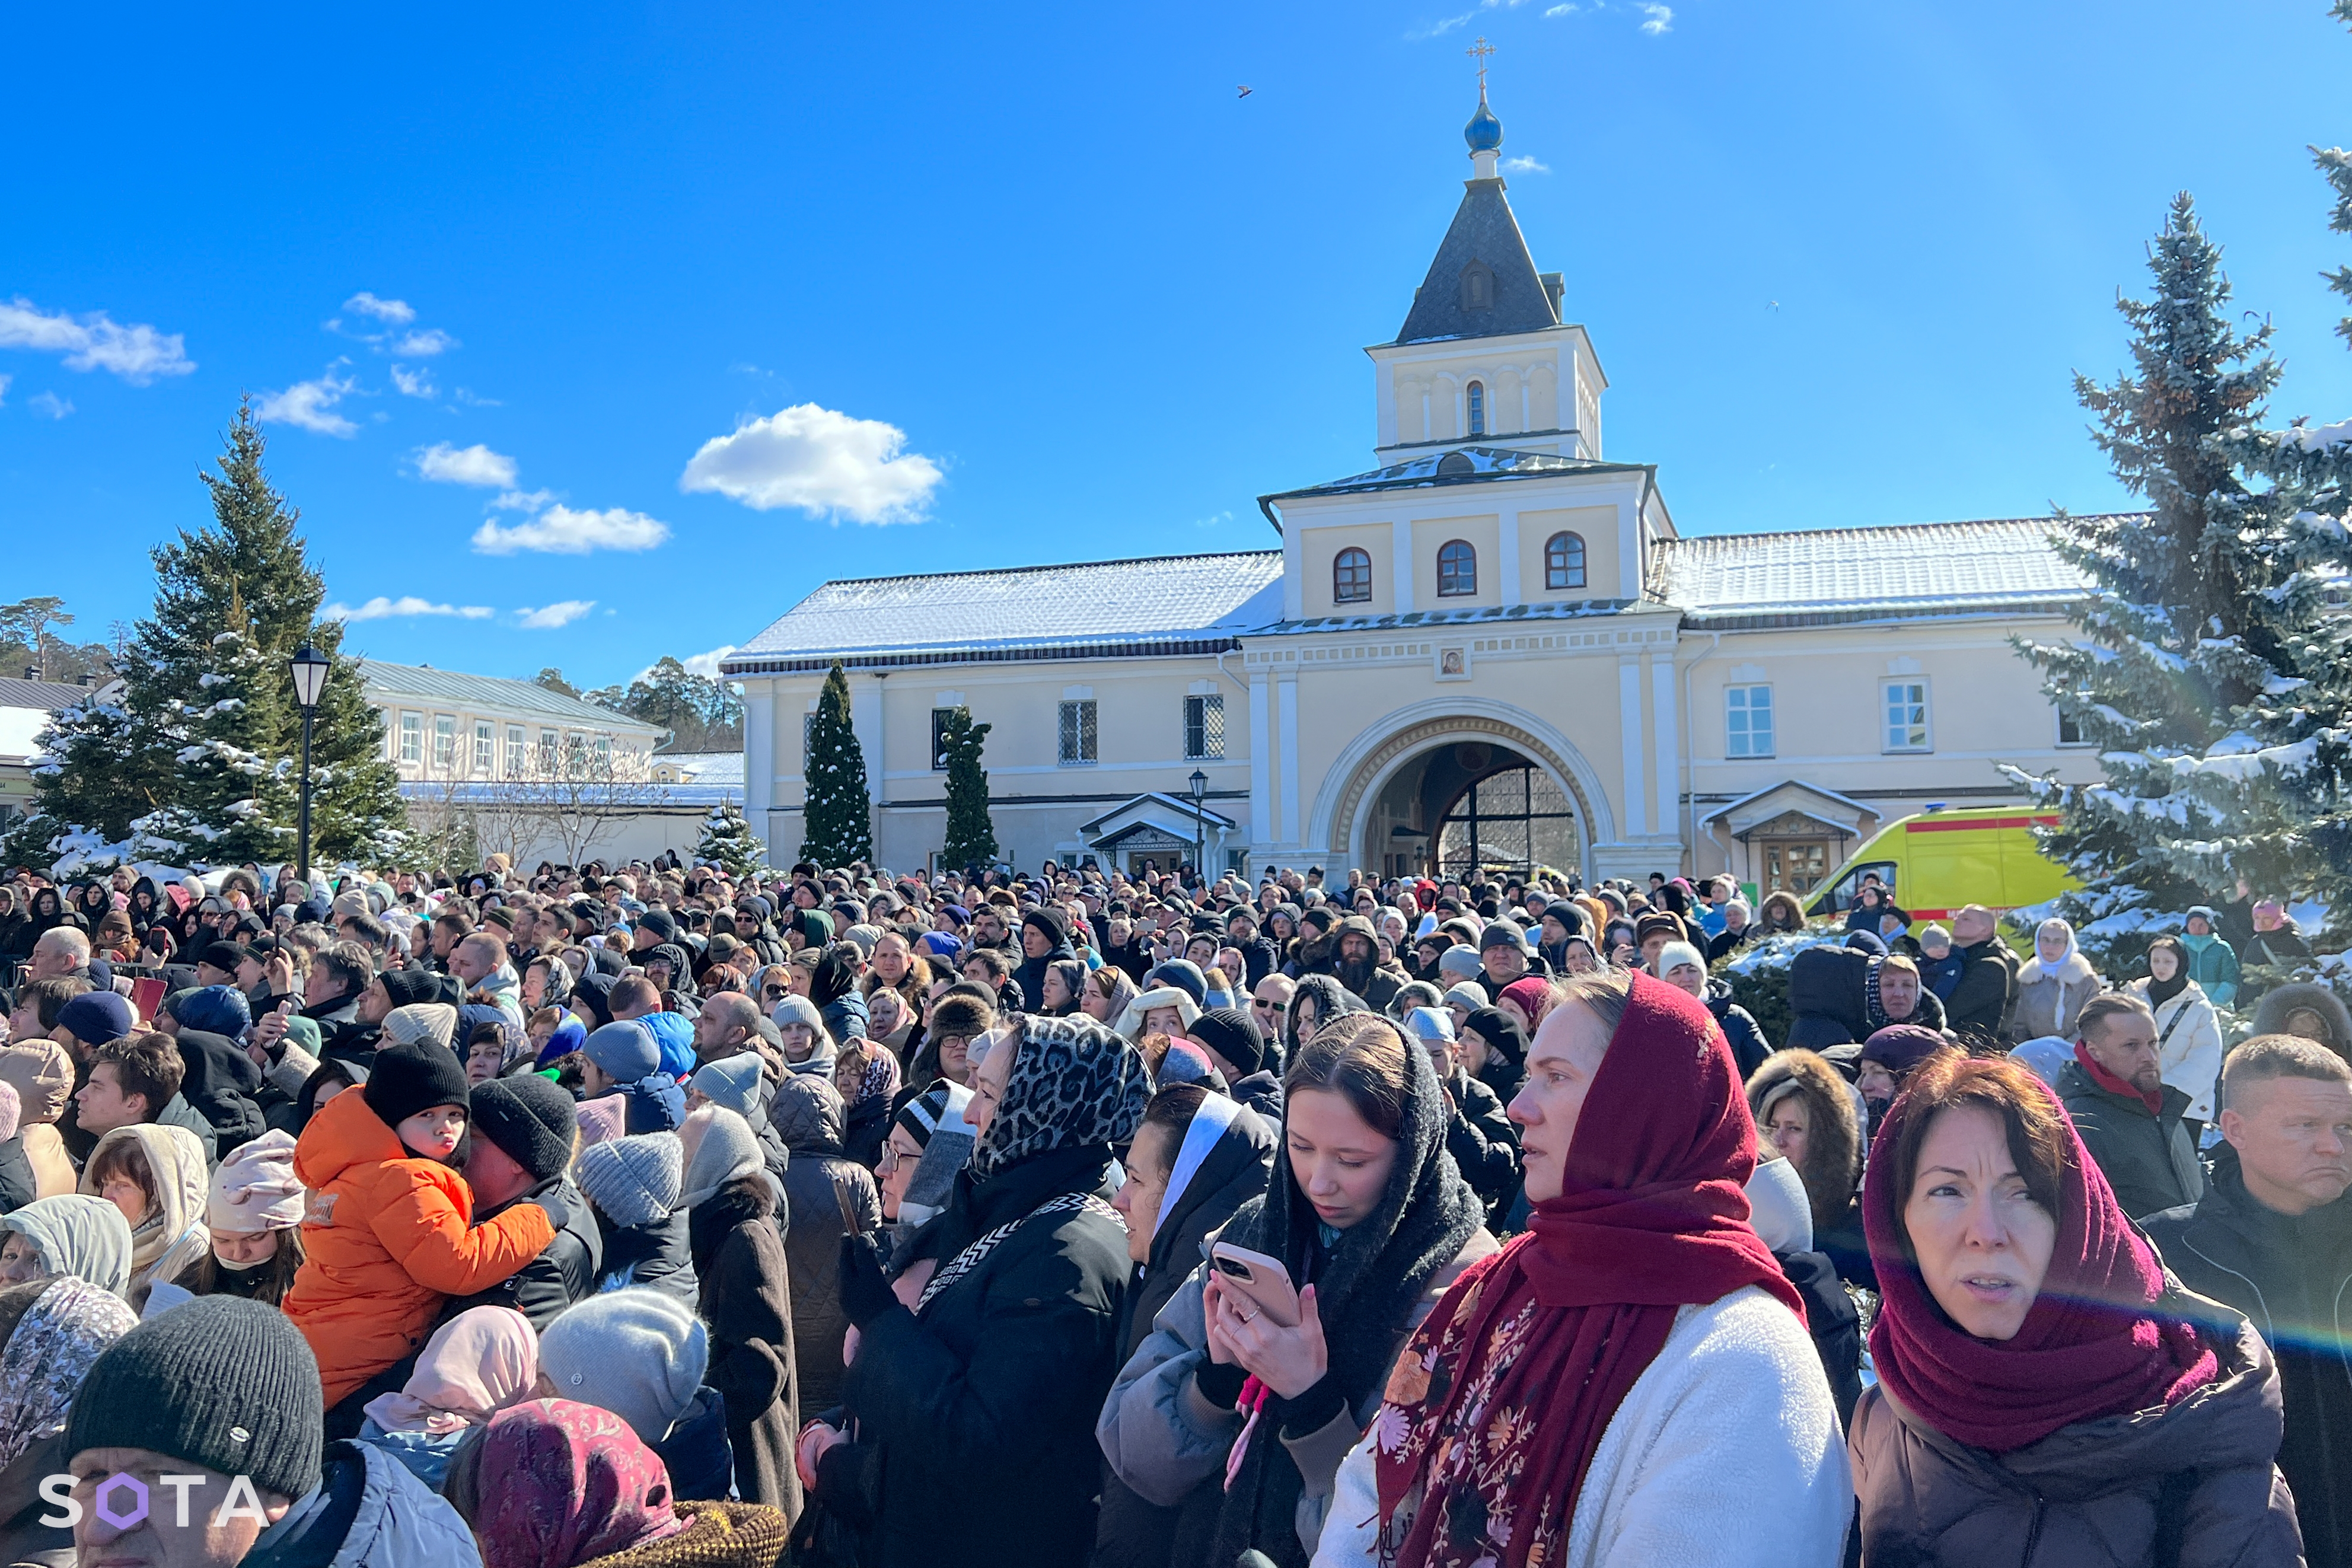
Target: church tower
<point x="1483" y="358"/>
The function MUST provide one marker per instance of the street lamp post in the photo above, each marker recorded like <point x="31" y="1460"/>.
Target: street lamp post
<point x="309" y="668"/>
<point x="1200" y="783"/>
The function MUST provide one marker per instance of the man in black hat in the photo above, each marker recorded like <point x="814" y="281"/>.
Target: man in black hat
<point x="1045" y="939"/>
<point x="523" y="1129"/>
<point x="1236" y="1047"/>
<point x="221" y="1395"/>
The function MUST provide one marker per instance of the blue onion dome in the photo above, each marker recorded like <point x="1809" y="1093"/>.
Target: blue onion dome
<point x="1485" y="132"/>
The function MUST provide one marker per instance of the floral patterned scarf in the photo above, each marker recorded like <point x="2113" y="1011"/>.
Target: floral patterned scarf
<point x="45" y="1359"/>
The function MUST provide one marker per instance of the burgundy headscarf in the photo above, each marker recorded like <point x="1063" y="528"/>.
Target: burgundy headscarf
<point x="561" y="1483"/>
<point x="2089" y="1347"/>
<point x="1506" y="1389"/>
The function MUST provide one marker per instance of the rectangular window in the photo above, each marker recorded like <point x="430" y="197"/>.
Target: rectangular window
<point x="517" y="749"/>
<point x="603" y="756"/>
<point x="485" y="748"/>
<point x="412" y="738"/>
<point x="1204" y="727"/>
<point x="939" y="717"/>
<point x="445" y="741"/>
<point x="1747" y="721"/>
<point x="2069" y="730"/>
<point x="551" y="746"/>
<point x="575" y="757"/>
<point x="1077" y="733"/>
<point x="1904" y="708"/>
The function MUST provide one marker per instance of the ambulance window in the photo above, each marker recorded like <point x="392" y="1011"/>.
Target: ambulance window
<point x="1842" y="897"/>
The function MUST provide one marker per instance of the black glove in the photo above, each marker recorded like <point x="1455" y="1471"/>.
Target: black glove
<point x="865" y="1295"/>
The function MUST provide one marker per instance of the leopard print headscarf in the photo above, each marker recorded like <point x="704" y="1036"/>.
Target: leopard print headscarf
<point x="1073" y="1083"/>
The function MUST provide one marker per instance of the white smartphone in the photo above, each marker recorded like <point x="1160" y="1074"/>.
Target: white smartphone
<point x="1261" y="1278"/>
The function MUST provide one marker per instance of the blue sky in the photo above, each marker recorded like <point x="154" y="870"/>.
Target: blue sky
<point x="686" y="291"/>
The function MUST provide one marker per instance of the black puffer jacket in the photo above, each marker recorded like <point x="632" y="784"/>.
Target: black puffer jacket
<point x="223" y="1087"/>
<point x="826" y="1195"/>
<point x="564" y="1272"/>
<point x="1748" y="1046"/>
<point x="2187" y="1487"/>
<point x="2291" y="1274"/>
<point x="655" y="1255"/>
<point x="2146" y="1156"/>
<point x="978" y="1417"/>
<point x="1483" y="1145"/>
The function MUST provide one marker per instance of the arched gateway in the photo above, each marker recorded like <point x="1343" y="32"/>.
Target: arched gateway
<point x="1448" y="784"/>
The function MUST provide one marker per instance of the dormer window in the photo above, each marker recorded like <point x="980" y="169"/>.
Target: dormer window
<point x="1478" y="408"/>
<point x="1477" y="286"/>
<point x="1351" y="577"/>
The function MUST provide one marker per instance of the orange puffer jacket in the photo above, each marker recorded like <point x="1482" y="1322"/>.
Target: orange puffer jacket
<point x="385" y="1239"/>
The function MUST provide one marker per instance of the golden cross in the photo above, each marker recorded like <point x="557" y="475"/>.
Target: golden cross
<point x="1479" y="51"/>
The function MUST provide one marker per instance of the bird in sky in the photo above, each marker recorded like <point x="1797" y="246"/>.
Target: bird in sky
<point x="1247" y="91"/>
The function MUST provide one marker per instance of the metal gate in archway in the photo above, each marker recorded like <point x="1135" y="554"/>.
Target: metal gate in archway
<point x="1515" y="817"/>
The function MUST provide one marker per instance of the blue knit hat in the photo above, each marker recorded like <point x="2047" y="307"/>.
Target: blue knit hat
<point x="625" y="1049"/>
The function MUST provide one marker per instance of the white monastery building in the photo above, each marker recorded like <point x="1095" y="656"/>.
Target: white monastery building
<point x="1493" y="644"/>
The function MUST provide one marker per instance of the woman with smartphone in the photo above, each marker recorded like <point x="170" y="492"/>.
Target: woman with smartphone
<point x="1265" y="1366"/>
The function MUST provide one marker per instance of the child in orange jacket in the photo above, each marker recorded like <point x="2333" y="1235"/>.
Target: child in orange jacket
<point x="387" y="1236"/>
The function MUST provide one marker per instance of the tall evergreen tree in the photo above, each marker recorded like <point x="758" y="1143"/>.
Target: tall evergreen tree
<point x="2205" y="636"/>
<point x="839" y="815"/>
<point x="204" y="746"/>
<point x="971" y="835"/>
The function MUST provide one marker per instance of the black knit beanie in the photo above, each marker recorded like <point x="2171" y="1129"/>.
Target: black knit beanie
<point x="529" y="1117"/>
<point x="408" y="986"/>
<point x="407" y="1079"/>
<point x="595" y="992"/>
<point x="1052" y="923"/>
<point x="221" y="1381"/>
<point x="1233" y="1035"/>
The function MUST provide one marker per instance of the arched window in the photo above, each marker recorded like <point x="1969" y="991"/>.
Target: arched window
<point x="1477" y="286"/>
<point x="1351" y="577"/>
<point x="1564" y="561"/>
<point x="1478" y="408"/>
<point x="1457" y="570"/>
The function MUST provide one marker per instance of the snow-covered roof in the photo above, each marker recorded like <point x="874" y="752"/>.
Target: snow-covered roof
<point x="704" y="767"/>
<point x="490" y="693"/>
<point x="1166" y="605"/>
<point x="1460" y="466"/>
<point x="1748" y="581"/>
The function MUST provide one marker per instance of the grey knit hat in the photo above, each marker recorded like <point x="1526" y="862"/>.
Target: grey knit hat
<point x="733" y="1081"/>
<point x="218" y="1381"/>
<point x="625" y="1049"/>
<point x="634" y="1179"/>
<point x="638" y="1353"/>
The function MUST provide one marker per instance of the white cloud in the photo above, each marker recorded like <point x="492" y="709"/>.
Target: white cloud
<point x="548" y="617"/>
<point x="396" y="313"/>
<point x="137" y="353"/>
<point x="50" y="404"/>
<point x="380" y="608"/>
<point x="1525" y="166"/>
<point x="5" y="380"/>
<point x="311" y="403"/>
<point x="522" y="501"/>
<point x="423" y="344"/>
<point x="475" y="465"/>
<point x="1566" y="9"/>
<point x="1439" y="29"/>
<point x="414" y="383"/>
<point x="1661" y="19"/>
<point x="824" y="463"/>
<point x="560" y="530"/>
<point x="706" y="664"/>
<point x="466" y="397"/>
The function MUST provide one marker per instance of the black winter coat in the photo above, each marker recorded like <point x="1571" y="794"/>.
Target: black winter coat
<point x="868" y="1131"/>
<point x="979" y="1415"/>
<point x="1262" y="1093"/>
<point x="655" y="1255"/>
<point x="2291" y="1275"/>
<point x="826" y="1195"/>
<point x="747" y="1300"/>
<point x="222" y="1086"/>
<point x="1978" y="1007"/>
<point x="2187" y="1487"/>
<point x="563" y="1273"/>
<point x="1748" y="1046"/>
<point x="1483" y="1142"/>
<point x="700" y="1463"/>
<point x="2147" y="1158"/>
<point x="1835" y="1324"/>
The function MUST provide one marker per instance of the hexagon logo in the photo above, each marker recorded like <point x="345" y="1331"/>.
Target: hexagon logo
<point x="128" y="1516"/>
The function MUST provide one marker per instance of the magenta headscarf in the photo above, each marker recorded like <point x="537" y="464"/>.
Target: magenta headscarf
<point x="2089" y="1347"/>
<point x="562" y="1483"/>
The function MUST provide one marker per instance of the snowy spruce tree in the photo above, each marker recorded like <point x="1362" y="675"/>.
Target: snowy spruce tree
<point x="202" y="748"/>
<point x="971" y="835"/>
<point x="728" y="842"/>
<point x="2206" y="670"/>
<point x="838" y="814"/>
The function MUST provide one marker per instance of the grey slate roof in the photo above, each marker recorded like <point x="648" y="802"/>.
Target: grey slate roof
<point x="1462" y="466"/>
<point x="1484" y="230"/>
<point x="47" y="695"/>
<point x="491" y="691"/>
<point x="1747" y="581"/>
<point x="1177" y="603"/>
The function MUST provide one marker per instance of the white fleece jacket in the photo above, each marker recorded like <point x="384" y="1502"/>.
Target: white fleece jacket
<point x="1726" y="1454"/>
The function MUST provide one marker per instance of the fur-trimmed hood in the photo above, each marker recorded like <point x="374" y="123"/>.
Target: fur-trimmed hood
<point x="1832" y="1161"/>
<point x="2271" y="1013"/>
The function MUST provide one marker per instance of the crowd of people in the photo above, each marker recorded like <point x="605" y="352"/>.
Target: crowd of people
<point x="654" y="1217"/>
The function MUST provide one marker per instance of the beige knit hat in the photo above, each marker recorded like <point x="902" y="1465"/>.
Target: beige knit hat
<point x="434" y="1021"/>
